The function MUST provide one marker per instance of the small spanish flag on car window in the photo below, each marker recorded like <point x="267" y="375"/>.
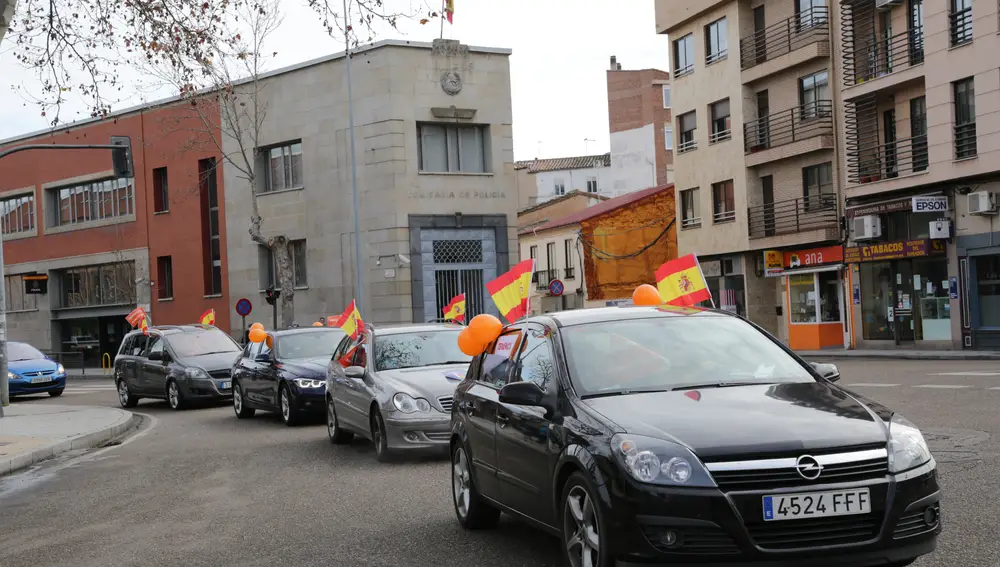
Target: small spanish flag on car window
<point x="680" y="282"/>
<point x="136" y="316"/>
<point x="144" y="326"/>
<point x="455" y="311"/>
<point x="510" y="290"/>
<point x="350" y="321"/>
<point x="208" y="317"/>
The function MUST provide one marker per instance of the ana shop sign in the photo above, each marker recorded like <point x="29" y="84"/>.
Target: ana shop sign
<point x="776" y="262"/>
<point x="894" y="250"/>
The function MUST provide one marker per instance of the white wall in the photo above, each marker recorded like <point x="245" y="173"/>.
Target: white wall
<point x="558" y="236"/>
<point x="574" y="179"/>
<point x="633" y="160"/>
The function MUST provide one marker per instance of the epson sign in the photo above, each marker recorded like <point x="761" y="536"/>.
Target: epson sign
<point x="930" y="204"/>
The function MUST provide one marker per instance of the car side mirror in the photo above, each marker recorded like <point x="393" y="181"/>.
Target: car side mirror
<point x="828" y="371"/>
<point x="263" y="358"/>
<point x="522" y="394"/>
<point x="157" y="355"/>
<point x="356" y="372"/>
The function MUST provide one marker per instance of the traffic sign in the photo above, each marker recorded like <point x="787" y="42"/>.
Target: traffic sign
<point x="556" y="287"/>
<point x="244" y="307"/>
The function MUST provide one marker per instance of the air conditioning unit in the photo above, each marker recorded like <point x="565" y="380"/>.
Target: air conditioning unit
<point x="868" y="227"/>
<point x="982" y="203"/>
<point x="887" y="4"/>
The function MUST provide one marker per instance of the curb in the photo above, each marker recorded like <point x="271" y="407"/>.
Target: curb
<point x="900" y="356"/>
<point x="89" y="377"/>
<point x="125" y="423"/>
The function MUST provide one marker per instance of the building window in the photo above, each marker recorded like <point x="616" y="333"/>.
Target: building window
<point x="89" y="286"/>
<point x="688" y="125"/>
<point x="18" y="214"/>
<point x="690" y="209"/>
<point x="666" y="96"/>
<point x="568" y="251"/>
<point x="961" y="22"/>
<point x="918" y="132"/>
<point x="211" y="224"/>
<point x="284" y="167"/>
<point x="684" y="56"/>
<point x="668" y="137"/>
<point x="267" y="267"/>
<point x="15" y="298"/>
<point x="965" y="118"/>
<point x="814" y="297"/>
<point x="592" y="185"/>
<point x="810" y="13"/>
<point x="817" y="186"/>
<point x="533" y="254"/>
<point x="550" y="259"/>
<point x="452" y="149"/>
<point x="164" y="277"/>
<point x="720" y="122"/>
<point x="988" y="285"/>
<point x="723" y="202"/>
<point x="161" y="197"/>
<point x="814" y="91"/>
<point x="716" y="41"/>
<point x="92" y="202"/>
<point x="560" y="187"/>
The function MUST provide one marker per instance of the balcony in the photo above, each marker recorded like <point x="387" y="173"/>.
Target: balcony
<point x="794" y="216"/>
<point x="543" y="277"/>
<point x="960" y="26"/>
<point x="687" y="145"/>
<point x="781" y="45"/>
<point x="888" y="161"/>
<point x="876" y="58"/>
<point x="805" y="128"/>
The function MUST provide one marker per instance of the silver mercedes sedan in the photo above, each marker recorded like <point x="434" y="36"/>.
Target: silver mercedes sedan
<point x="394" y="386"/>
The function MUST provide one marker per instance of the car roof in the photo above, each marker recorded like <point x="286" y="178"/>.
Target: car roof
<point x="175" y="329"/>
<point x="304" y="330"/>
<point x="398" y="329"/>
<point x="606" y="314"/>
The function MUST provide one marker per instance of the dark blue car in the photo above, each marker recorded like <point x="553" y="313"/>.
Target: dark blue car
<point x="30" y="371"/>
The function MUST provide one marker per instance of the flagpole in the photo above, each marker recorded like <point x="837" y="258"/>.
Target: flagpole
<point x="444" y="8"/>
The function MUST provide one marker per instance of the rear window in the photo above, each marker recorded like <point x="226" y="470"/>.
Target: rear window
<point x="201" y="343"/>
<point x="309" y="344"/>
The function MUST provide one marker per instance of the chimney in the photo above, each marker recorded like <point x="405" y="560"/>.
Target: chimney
<point x="619" y="67"/>
<point x="614" y="64"/>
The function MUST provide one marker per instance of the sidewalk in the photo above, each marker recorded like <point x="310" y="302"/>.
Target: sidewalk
<point x="33" y="432"/>
<point x="89" y="374"/>
<point x="902" y="354"/>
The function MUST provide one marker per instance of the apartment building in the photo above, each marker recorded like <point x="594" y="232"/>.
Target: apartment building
<point x="755" y="165"/>
<point x="639" y="120"/>
<point x="542" y="180"/>
<point x="921" y="125"/>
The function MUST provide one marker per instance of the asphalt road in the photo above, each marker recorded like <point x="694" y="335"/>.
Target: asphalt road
<point x="200" y="488"/>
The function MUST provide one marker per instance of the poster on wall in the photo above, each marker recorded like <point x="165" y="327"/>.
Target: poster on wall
<point x="857" y="294"/>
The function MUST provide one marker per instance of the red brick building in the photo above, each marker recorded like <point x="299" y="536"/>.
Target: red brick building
<point x="106" y="244"/>
<point x="640" y="123"/>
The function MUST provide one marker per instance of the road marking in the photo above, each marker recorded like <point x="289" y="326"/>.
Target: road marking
<point x="994" y="388"/>
<point x="944" y="386"/>
<point x="874" y="385"/>
<point x="975" y="373"/>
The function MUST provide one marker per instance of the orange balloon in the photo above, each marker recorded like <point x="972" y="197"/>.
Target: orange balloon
<point x="269" y="341"/>
<point x="469" y="344"/>
<point x="317" y="324"/>
<point x="257" y="326"/>
<point x="257" y="335"/>
<point x="485" y="328"/>
<point x="646" y="295"/>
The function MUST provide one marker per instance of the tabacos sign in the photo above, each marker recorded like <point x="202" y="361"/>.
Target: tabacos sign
<point x="935" y="204"/>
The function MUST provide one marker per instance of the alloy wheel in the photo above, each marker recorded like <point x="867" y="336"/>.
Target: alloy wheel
<point x="237" y="400"/>
<point x="122" y="393"/>
<point x="460" y="482"/>
<point x="331" y="421"/>
<point x="378" y="435"/>
<point x="580" y="527"/>
<point x="173" y="395"/>
<point x="286" y="406"/>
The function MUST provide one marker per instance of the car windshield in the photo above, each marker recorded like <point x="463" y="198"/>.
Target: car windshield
<point x="309" y="344"/>
<point x="21" y="351"/>
<point x="661" y="353"/>
<point x="411" y="350"/>
<point x="200" y="343"/>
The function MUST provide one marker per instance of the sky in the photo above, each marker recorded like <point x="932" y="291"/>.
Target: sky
<point x="561" y="51"/>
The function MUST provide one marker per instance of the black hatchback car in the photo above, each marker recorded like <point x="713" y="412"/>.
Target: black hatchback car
<point x="182" y="364"/>
<point x="288" y="377"/>
<point x="685" y="436"/>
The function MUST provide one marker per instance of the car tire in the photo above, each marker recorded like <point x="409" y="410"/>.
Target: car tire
<point x="175" y="399"/>
<point x="239" y="403"/>
<point x="382" y="452"/>
<point x="337" y="435"/>
<point x="286" y="408"/>
<point x="56" y="393"/>
<point x="125" y="397"/>
<point x="583" y="526"/>
<point x="472" y="511"/>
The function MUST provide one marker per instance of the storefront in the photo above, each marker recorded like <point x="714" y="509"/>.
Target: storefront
<point x="814" y="295"/>
<point x="981" y="290"/>
<point x="725" y="279"/>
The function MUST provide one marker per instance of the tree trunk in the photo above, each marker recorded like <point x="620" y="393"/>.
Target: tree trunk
<point x="284" y="277"/>
<point x="6" y="15"/>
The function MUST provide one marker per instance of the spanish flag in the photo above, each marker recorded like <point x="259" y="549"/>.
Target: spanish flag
<point x="455" y="311"/>
<point x="681" y="282"/>
<point x="144" y="325"/>
<point x="350" y="321"/>
<point x="449" y="10"/>
<point x="208" y="317"/>
<point x="510" y="291"/>
<point x="136" y="316"/>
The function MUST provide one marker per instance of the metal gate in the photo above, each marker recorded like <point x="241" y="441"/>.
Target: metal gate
<point x="459" y="260"/>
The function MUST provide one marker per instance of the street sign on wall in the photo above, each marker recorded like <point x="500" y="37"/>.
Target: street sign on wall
<point x="244" y="307"/>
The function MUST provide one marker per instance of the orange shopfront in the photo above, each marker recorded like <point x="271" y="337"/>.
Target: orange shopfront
<point x="814" y="300"/>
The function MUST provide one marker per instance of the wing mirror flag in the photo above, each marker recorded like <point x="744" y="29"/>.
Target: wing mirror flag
<point x="680" y="282"/>
<point x="208" y="317"/>
<point x="139" y="318"/>
<point x="455" y="311"/>
<point x="510" y="290"/>
<point x="350" y="321"/>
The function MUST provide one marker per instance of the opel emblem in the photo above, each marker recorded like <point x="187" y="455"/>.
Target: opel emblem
<point x="808" y="467"/>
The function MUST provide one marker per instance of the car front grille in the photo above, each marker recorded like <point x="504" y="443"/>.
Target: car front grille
<point x="770" y="474"/>
<point x="38" y="373"/>
<point x="220" y="374"/>
<point x="446" y="402"/>
<point x="708" y="540"/>
<point x="439" y="436"/>
<point x="798" y="534"/>
<point x="916" y="523"/>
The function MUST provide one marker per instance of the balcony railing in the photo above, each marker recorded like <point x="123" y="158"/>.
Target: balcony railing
<point x="788" y="126"/>
<point x="543" y="277"/>
<point x="784" y="37"/>
<point x="888" y="160"/>
<point x="687" y="146"/>
<point x="793" y="216"/>
<point x="879" y="57"/>
<point x="960" y="24"/>
<point x="965" y="141"/>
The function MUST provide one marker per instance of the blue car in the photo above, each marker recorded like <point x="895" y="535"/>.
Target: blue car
<point x="29" y="371"/>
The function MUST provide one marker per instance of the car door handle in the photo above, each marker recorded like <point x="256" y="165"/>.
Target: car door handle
<point x="502" y="421"/>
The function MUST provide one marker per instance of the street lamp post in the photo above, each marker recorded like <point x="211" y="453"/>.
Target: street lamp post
<point x="358" y="277"/>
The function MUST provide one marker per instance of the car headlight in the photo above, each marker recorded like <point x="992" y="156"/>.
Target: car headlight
<point x="195" y="373"/>
<point x="907" y="447"/>
<point x="656" y="461"/>
<point x="60" y="369"/>
<point x="408" y="404"/>
<point x="306" y="383"/>
<point x="11" y="375"/>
